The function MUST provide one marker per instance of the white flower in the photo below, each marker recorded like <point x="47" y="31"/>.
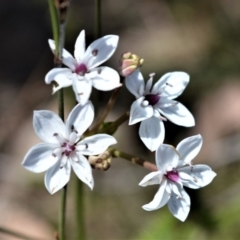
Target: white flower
<point x="62" y="148"/>
<point x="174" y="172"/>
<point x="82" y="72"/>
<point x="156" y="100"/>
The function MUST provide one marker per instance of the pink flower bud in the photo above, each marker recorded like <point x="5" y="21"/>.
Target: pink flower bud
<point x="101" y="162"/>
<point x="129" y="63"/>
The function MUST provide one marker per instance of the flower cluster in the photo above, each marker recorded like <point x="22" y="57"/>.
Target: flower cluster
<point x="67" y="145"/>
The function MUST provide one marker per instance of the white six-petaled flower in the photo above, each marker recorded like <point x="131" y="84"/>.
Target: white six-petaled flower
<point x="63" y="147"/>
<point x="152" y="101"/>
<point x="82" y="72"/>
<point x="175" y="171"/>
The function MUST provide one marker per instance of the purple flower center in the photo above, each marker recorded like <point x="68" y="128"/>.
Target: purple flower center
<point x="81" y="69"/>
<point x="152" y="98"/>
<point x="68" y="148"/>
<point x="173" y="175"/>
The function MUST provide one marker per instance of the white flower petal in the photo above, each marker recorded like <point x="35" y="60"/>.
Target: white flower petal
<point x="201" y="175"/>
<point x="80" y="47"/>
<point x="151" y="179"/>
<point x="189" y="148"/>
<point x="46" y="124"/>
<point x="156" y="114"/>
<point x="139" y="112"/>
<point x="160" y="85"/>
<point x="184" y="177"/>
<point x="80" y="118"/>
<point x="67" y="57"/>
<point x="135" y="83"/>
<point x="152" y="132"/>
<point x="166" y="158"/>
<point x="179" y="115"/>
<point x="83" y="170"/>
<point x="96" y="144"/>
<point x="179" y="207"/>
<point x="160" y="198"/>
<point x="104" y="78"/>
<point x="39" y="158"/>
<point x="172" y="84"/>
<point x="148" y="84"/>
<point x="174" y="187"/>
<point x="62" y="76"/>
<point x="82" y="89"/>
<point x="100" y="51"/>
<point x="56" y="177"/>
<point x="164" y="103"/>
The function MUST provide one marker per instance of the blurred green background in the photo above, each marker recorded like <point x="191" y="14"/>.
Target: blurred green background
<point x="199" y="37"/>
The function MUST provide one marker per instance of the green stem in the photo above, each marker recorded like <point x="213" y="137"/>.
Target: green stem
<point x="80" y="210"/>
<point x="63" y="7"/>
<point x="108" y="108"/>
<point x="98" y="20"/>
<point x="16" y="234"/>
<point x="62" y="215"/>
<point x="121" y="120"/>
<point x="136" y="160"/>
<point x="55" y="22"/>
<point x="112" y="128"/>
<point x="58" y="12"/>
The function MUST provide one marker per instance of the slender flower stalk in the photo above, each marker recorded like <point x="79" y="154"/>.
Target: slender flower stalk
<point x="106" y="111"/>
<point x="54" y="20"/>
<point x="63" y="204"/>
<point x="121" y="120"/>
<point x="80" y="227"/>
<point x="112" y="127"/>
<point x="63" y="7"/>
<point x="136" y="160"/>
<point x="58" y="27"/>
<point x="62" y="213"/>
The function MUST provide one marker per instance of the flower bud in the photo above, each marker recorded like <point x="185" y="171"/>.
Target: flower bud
<point x="129" y="63"/>
<point x="101" y="162"/>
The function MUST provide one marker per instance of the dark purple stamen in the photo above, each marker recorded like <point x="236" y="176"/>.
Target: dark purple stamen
<point x="173" y="175"/>
<point x="68" y="148"/>
<point x="81" y="69"/>
<point x="152" y="98"/>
